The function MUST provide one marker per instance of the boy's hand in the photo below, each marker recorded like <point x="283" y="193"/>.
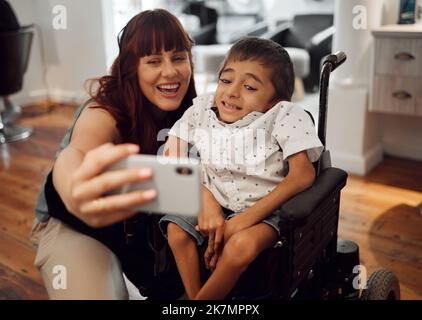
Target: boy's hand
<point x="211" y="224"/>
<point x="230" y="227"/>
<point x="209" y="253"/>
<point x="211" y="221"/>
<point x="236" y="224"/>
<point x="211" y="258"/>
<point x="214" y="260"/>
<point x="215" y="243"/>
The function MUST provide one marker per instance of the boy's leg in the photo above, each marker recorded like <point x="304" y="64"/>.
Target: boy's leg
<point x="185" y="253"/>
<point x="239" y="251"/>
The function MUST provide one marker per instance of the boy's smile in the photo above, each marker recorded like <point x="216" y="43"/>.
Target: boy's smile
<point x="244" y="87"/>
<point x="230" y="107"/>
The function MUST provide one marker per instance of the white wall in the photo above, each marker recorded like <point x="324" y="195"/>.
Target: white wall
<point x="111" y="28"/>
<point x="72" y="55"/>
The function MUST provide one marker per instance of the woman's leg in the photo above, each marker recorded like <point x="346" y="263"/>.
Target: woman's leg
<point x="185" y="253"/>
<point x="76" y="266"/>
<point x="239" y="251"/>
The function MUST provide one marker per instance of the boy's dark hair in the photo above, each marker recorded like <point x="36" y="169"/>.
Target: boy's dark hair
<point x="271" y="55"/>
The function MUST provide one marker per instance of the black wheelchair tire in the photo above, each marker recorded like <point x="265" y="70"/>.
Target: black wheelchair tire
<point x="382" y="285"/>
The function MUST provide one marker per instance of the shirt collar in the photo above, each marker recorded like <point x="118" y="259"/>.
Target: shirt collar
<point x="243" y="122"/>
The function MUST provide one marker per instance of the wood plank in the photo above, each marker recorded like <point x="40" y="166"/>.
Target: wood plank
<point x="18" y="257"/>
<point x="381" y="212"/>
<point x="14" y="286"/>
<point x="23" y="166"/>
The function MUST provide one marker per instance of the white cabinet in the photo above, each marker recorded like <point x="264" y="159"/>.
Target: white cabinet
<point x="396" y="84"/>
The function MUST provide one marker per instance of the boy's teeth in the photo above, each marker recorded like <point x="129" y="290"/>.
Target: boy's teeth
<point x="232" y="106"/>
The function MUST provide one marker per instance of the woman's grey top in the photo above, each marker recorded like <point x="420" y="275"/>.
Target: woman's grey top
<point x="41" y="209"/>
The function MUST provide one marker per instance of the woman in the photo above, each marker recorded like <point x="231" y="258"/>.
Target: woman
<point x="150" y="86"/>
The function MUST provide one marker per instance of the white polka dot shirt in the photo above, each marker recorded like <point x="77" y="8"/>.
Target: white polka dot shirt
<point x="245" y="160"/>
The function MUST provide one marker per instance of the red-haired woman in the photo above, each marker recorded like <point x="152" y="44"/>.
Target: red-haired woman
<point x="79" y="232"/>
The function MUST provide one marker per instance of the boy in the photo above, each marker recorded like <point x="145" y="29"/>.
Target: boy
<point x="245" y="134"/>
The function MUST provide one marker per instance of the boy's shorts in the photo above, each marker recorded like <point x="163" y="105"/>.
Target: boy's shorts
<point x="188" y="224"/>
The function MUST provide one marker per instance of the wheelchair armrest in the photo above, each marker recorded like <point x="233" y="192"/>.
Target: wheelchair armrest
<point x="300" y="207"/>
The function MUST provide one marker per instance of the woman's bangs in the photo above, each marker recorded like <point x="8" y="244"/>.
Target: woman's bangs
<point x="163" y="35"/>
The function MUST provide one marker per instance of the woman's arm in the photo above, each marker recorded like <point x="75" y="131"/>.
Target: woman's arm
<point x="93" y="128"/>
<point x="300" y="177"/>
<point x="79" y="177"/>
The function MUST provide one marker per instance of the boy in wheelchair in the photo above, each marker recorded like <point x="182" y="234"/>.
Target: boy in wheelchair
<point x="256" y="150"/>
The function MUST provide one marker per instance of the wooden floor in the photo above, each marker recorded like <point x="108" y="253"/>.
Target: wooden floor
<point x="381" y="212"/>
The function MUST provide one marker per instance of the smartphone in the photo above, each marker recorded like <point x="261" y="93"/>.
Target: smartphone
<point x="177" y="181"/>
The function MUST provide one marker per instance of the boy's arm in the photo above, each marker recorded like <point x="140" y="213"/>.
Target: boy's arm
<point x="300" y="177"/>
<point x="175" y="147"/>
<point x="211" y="219"/>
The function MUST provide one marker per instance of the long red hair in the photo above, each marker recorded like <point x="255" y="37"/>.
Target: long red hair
<point x="147" y="33"/>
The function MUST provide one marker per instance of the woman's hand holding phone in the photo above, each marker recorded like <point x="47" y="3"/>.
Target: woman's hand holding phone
<point x="91" y="182"/>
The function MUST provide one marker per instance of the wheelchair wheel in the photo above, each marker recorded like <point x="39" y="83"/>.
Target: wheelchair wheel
<point x="382" y="285"/>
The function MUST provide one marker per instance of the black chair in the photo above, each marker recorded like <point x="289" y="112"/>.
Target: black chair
<point x="312" y="32"/>
<point x="207" y="34"/>
<point x="14" y="56"/>
<point x="8" y="19"/>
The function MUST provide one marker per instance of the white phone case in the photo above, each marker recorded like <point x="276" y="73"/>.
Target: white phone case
<point x="177" y="181"/>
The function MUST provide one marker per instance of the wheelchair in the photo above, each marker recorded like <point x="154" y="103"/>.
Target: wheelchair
<point x="308" y="261"/>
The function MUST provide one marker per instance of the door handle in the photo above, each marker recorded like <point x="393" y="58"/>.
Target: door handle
<point x="402" y="95"/>
<point x="404" y="56"/>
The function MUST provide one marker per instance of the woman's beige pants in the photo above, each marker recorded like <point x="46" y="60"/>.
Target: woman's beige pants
<point x="76" y="266"/>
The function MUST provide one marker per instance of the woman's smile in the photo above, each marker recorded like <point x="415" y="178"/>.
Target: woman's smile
<point x="169" y="90"/>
